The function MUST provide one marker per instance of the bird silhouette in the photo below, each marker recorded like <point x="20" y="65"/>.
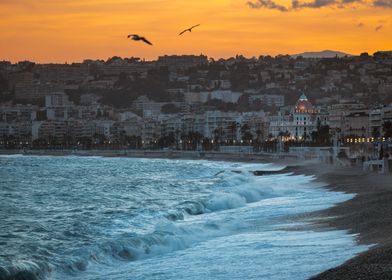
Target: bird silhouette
<point x="136" y="37"/>
<point x="188" y="29"/>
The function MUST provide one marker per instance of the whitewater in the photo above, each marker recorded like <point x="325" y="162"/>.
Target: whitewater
<point x="123" y="218"/>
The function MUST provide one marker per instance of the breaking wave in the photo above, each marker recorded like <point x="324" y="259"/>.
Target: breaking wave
<point x="119" y="210"/>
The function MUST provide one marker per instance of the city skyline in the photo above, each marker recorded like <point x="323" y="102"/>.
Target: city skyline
<point x="51" y="31"/>
<point x="189" y="99"/>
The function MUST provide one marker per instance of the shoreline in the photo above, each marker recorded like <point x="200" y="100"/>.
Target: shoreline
<point x="159" y="154"/>
<point x="368" y="214"/>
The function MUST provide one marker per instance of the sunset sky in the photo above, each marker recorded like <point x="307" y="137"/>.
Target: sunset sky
<point x="73" y="30"/>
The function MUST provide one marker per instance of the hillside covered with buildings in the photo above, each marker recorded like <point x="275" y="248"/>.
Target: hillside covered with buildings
<point x="192" y="102"/>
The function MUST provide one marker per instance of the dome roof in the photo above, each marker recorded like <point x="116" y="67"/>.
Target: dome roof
<point x="303" y="97"/>
<point x="303" y="104"/>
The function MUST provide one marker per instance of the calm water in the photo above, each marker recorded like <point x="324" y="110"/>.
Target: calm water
<point x="120" y="218"/>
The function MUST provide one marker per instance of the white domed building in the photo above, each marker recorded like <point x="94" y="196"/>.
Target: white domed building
<point x="299" y="124"/>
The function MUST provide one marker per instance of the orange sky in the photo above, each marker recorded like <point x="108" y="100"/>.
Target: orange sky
<point x="72" y="30"/>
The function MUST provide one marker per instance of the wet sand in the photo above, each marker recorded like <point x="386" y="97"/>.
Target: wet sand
<point x="368" y="214"/>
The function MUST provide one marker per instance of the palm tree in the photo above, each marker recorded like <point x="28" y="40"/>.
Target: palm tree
<point x="245" y="132"/>
<point x="387" y="128"/>
<point x="233" y="130"/>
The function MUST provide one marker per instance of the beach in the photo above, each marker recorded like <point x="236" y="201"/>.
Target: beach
<point x="368" y="214"/>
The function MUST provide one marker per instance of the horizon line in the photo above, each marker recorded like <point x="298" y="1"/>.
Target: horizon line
<point x="157" y="57"/>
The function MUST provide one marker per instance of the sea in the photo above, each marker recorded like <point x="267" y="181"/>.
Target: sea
<point x="126" y="218"/>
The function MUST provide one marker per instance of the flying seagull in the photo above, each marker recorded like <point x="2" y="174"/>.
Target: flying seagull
<point x="189" y="29"/>
<point x="136" y="37"/>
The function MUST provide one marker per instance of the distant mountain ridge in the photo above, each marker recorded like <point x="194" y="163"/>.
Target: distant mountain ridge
<point x="322" y="54"/>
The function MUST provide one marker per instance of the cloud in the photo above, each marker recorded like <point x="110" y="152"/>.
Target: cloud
<point x="383" y="3"/>
<point x="268" y="4"/>
<point x="315" y="4"/>
<point x="297" y="5"/>
<point x="378" y="27"/>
